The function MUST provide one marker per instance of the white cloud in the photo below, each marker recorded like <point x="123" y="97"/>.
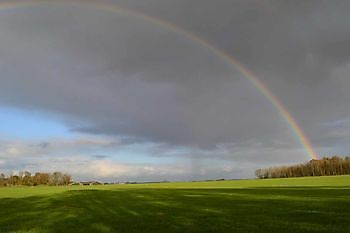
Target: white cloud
<point x="80" y="157"/>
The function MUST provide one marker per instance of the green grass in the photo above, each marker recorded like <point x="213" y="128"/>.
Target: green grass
<point x="318" y="204"/>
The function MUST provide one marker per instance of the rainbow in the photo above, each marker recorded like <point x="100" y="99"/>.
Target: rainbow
<point x="265" y="91"/>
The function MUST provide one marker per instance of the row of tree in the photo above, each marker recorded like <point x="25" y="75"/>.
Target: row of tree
<point x="327" y="166"/>
<point x="39" y="178"/>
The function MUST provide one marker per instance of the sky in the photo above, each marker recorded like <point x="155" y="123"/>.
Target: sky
<point x="116" y="95"/>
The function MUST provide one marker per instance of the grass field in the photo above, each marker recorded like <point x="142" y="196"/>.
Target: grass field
<point x="318" y="204"/>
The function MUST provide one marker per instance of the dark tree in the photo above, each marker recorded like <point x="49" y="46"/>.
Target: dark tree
<point x="327" y="166"/>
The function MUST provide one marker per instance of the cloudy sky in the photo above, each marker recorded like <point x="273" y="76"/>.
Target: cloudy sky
<point x="111" y="96"/>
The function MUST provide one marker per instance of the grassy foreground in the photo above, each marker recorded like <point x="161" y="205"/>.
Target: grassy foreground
<point x="317" y="204"/>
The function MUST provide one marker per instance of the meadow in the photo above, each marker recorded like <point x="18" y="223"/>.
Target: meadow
<point x="313" y="204"/>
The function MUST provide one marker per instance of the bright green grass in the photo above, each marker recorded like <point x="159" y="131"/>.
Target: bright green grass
<point x="318" y="204"/>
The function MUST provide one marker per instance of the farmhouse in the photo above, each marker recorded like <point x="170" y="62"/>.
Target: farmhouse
<point x="90" y="183"/>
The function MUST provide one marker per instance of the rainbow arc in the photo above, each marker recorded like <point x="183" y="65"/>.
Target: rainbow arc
<point x="263" y="89"/>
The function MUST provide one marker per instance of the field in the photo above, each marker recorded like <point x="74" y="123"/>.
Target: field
<point x="318" y="204"/>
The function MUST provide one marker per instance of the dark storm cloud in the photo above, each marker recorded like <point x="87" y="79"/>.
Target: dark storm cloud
<point x="105" y="73"/>
<point x="278" y="36"/>
<point x="292" y="46"/>
<point x="300" y="49"/>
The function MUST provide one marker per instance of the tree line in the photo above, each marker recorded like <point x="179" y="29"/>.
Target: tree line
<point x="39" y="178"/>
<point x="327" y="166"/>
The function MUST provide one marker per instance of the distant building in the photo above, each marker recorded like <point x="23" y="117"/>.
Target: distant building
<point x="90" y="183"/>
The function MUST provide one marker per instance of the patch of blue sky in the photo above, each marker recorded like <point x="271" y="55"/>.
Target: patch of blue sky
<point x="24" y="124"/>
<point x="34" y="125"/>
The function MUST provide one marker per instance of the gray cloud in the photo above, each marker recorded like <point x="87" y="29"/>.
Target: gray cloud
<point x="72" y="156"/>
<point x="115" y="78"/>
<point x="110" y="74"/>
<point x="101" y="156"/>
<point x="296" y="48"/>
